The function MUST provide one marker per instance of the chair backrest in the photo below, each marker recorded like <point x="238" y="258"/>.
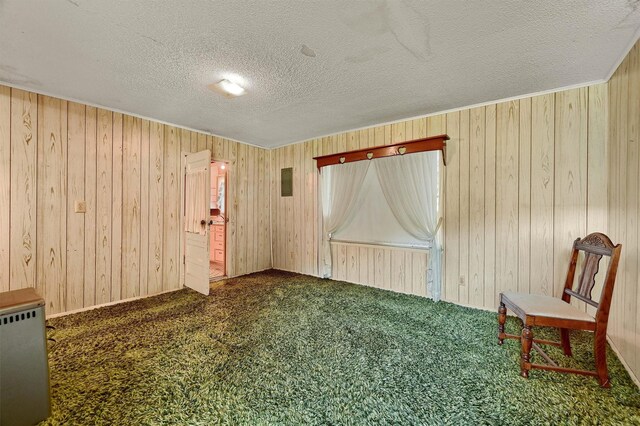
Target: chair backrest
<point x="594" y="247"/>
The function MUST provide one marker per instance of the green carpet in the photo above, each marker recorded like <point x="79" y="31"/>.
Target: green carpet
<point x="281" y="348"/>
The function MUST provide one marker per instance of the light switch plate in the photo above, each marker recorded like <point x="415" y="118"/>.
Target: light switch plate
<point x="80" y="207"/>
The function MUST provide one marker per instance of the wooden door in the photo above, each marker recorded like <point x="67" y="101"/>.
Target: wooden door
<point x="196" y="219"/>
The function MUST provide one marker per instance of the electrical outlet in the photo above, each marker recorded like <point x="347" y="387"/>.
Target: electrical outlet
<point x="461" y="280"/>
<point x="80" y="207"/>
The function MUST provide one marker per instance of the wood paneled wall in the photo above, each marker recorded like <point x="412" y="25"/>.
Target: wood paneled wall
<point x="295" y="219"/>
<point x="523" y="179"/>
<point x="54" y="153"/>
<point x="392" y="268"/>
<point x="624" y="205"/>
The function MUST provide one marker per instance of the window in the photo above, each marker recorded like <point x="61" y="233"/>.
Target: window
<point x="373" y="221"/>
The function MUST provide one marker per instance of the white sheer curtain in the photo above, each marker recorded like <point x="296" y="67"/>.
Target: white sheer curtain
<point x="197" y="210"/>
<point x="410" y="185"/>
<point x="372" y="221"/>
<point x="339" y="187"/>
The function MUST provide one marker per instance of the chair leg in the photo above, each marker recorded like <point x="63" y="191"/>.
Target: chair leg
<point x="502" y="318"/>
<point x="526" y="341"/>
<point x="566" y="343"/>
<point x="600" y="352"/>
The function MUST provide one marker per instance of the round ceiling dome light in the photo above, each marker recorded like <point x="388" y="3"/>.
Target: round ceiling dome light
<point x="307" y="51"/>
<point x="228" y="89"/>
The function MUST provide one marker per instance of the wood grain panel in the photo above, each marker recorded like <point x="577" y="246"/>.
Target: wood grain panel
<point x="507" y="144"/>
<point x="131" y="196"/>
<point x="90" y="222"/>
<point x="145" y="164"/>
<point x="275" y="209"/>
<point x="352" y="264"/>
<point x="490" y="206"/>
<point x="104" y="185"/>
<point x="24" y="152"/>
<point x="630" y="292"/>
<point x="398" y="132"/>
<point x="621" y="99"/>
<point x="290" y="252"/>
<point x="387" y="282"/>
<point x="185" y="147"/>
<point x="631" y="326"/>
<point x="156" y="207"/>
<point x="597" y="167"/>
<point x="452" y="209"/>
<point x="418" y="272"/>
<point x="171" y="252"/>
<point x="476" y="205"/>
<point x="419" y="127"/>
<point x="241" y="210"/>
<point x="464" y="197"/>
<point x="363" y="265"/>
<point x="202" y="142"/>
<point x="233" y="182"/>
<point x="310" y="208"/>
<point x="5" y="186"/>
<point x="542" y="193"/>
<point x="252" y="205"/>
<point x="76" y="121"/>
<point x="623" y="211"/>
<point x="570" y="177"/>
<point x="378" y="268"/>
<point x="341" y="262"/>
<point x="298" y="199"/>
<point x="52" y="202"/>
<point x="398" y="271"/>
<point x="524" y="197"/>
<point x="264" y="212"/>
<point x="116" y="209"/>
<point x="218" y="149"/>
<point x="597" y="154"/>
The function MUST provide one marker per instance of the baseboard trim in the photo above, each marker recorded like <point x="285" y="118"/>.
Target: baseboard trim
<point x="131" y="299"/>
<point x="624" y="363"/>
<point x="102" y="305"/>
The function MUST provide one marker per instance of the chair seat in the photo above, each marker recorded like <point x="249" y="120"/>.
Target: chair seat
<point x="546" y="306"/>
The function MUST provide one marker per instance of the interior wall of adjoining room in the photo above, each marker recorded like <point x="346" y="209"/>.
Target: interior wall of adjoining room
<point x="523" y="179"/>
<point x="624" y="204"/>
<point x="54" y="153"/>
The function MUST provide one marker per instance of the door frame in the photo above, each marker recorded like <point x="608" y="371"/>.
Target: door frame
<point x="229" y="243"/>
<point x="226" y="218"/>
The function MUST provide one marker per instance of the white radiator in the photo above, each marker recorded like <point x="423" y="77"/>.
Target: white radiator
<point x="24" y="370"/>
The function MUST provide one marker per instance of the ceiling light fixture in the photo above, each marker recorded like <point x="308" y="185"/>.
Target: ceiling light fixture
<point x="307" y="51"/>
<point x="228" y="88"/>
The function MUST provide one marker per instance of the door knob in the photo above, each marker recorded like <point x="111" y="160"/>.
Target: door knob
<point x="203" y="222"/>
<point x="210" y="222"/>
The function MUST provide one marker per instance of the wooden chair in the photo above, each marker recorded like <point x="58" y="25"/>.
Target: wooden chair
<point x="547" y="311"/>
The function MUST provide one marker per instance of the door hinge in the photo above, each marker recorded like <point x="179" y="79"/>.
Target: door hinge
<point x="184" y="260"/>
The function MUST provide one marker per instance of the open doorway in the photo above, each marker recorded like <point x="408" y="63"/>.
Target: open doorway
<point x="218" y="222"/>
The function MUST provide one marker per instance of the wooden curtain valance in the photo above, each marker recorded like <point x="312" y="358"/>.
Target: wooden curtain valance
<point x="433" y="143"/>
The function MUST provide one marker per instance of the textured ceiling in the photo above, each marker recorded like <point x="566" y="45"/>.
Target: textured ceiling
<point x="376" y="61"/>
